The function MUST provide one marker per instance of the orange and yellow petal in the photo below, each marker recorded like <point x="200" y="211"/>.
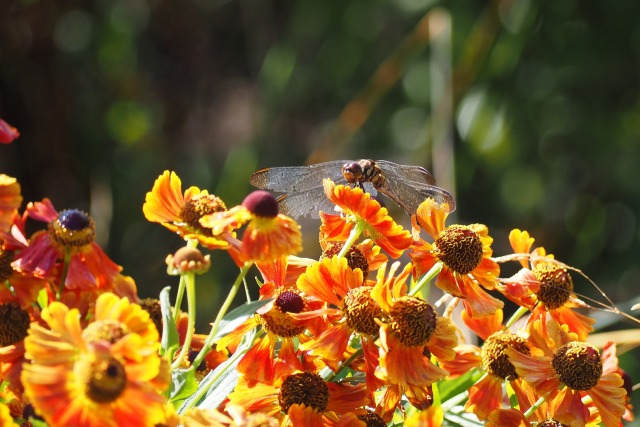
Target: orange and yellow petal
<point x="423" y="257"/>
<point x="431" y="417"/>
<point x="444" y="339"/>
<point x="345" y="398"/>
<point x="379" y="225"/>
<point x="485" y="396"/>
<point x="330" y="279"/>
<point x="484" y="326"/>
<point x="302" y="416"/>
<point x="467" y="357"/>
<point x="5" y="417"/>
<point x="432" y="216"/>
<point x="390" y="286"/>
<point x="267" y="239"/>
<point x="536" y="371"/>
<point x="400" y="364"/>
<point x="521" y="243"/>
<point x="477" y="302"/>
<point x="578" y="323"/>
<point x="506" y="418"/>
<point x="10" y="200"/>
<point x="163" y="204"/>
<point x="609" y="396"/>
<point x="331" y="345"/>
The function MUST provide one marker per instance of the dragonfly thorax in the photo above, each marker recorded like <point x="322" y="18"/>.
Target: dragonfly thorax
<point x="363" y="171"/>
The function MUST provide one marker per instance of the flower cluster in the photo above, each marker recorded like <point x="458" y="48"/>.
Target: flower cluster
<point x="347" y="339"/>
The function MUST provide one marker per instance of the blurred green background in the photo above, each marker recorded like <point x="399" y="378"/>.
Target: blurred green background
<point x="528" y="111"/>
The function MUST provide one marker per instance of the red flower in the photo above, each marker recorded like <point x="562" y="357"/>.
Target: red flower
<point x="7" y="132"/>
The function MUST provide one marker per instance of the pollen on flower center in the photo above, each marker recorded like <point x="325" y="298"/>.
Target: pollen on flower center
<point x="6" y="258"/>
<point x="277" y="321"/>
<point x="355" y="257"/>
<point x="413" y="321"/>
<point x="360" y="310"/>
<point x="459" y="248"/>
<point x="304" y="388"/>
<point x="14" y="324"/>
<point x="372" y="419"/>
<point x="73" y="228"/>
<point x="556" y="285"/>
<point x="494" y="359"/>
<point x="104" y="330"/>
<point x="152" y="306"/>
<point x="104" y="378"/>
<point x="578" y="365"/>
<point x="550" y="422"/>
<point x="199" y="206"/>
<point x="289" y="302"/>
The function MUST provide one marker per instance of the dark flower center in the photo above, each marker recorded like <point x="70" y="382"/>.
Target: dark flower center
<point x="73" y="228"/>
<point x="494" y="359"/>
<point x="105" y="379"/>
<point x="14" y="324"/>
<point x="550" y="422"/>
<point x="556" y="285"/>
<point x="306" y="389"/>
<point x="104" y="330"/>
<point x="361" y="310"/>
<point x="261" y="203"/>
<point x="152" y="306"/>
<point x="6" y="258"/>
<point x="413" y="321"/>
<point x="355" y="258"/>
<point x="459" y="248"/>
<point x="372" y="419"/>
<point x="199" y="206"/>
<point x="290" y="302"/>
<point x="578" y="365"/>
<point x="277" y="321"/>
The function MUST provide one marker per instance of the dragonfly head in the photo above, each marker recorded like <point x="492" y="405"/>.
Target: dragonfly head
<point x="352" y="172"/>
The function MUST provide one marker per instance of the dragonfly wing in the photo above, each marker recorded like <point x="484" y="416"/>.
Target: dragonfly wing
<point x="409" y="195"/>
<point x="307" y="203"/>
<point x="294" y="179"/>
<point x="406" y="172"/>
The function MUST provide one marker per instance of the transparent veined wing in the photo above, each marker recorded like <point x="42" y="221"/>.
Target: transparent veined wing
<point x="293" y="179"/>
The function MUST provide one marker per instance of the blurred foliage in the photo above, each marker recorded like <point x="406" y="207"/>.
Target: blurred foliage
<point x="528" y="110"/>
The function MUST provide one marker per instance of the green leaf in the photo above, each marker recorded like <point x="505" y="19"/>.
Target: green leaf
<point x="183" y="385"/>
<point x="237" y="316"/>
<point x="216" y="386"/>
<point x="43" y="298"/>
<point x="170" y="339"/>
<point x="451" y="388"/>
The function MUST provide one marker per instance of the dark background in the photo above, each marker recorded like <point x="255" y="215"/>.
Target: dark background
<point x="527" y="110"/>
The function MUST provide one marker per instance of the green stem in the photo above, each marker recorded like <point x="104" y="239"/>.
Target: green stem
<point x="428" y="276"/>
<point x="535" y="406"/>
<point x="223" y="311"/>
<point x="517" y="315"/>
<point x="345" y="364"/>
<point x="190" y="280"/>
<point x="356" y="231"/>
<point x="176" y="307"/>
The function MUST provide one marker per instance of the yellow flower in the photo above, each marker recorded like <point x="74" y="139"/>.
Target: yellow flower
<point x="109" y="374"/>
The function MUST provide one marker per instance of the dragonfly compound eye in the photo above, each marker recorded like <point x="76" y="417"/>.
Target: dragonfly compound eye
<point x="352" y="172"/>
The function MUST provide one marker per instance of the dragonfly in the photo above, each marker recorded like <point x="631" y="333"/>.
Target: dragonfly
<point x="407" y="186"/>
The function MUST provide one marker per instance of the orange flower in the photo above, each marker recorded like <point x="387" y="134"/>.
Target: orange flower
<point x="277" y="321"/>
<point x="349" y="309"/>
<point x="7" y="132"/>
<point x="487" y="394"/>
<point x="562" y="360"/>
<point x="10" y="200"/>
<point x="303" y="396"/>
<point x="409" y="335"/>
<point x="360" y="211"/>
<point x="109" y="374"/>
<point x="68" y="239"/>
<point x="181" y="213"/>
<point x="465" y="253"/>
<point x="268" y="235"/>
<point x="545" y="287"/>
